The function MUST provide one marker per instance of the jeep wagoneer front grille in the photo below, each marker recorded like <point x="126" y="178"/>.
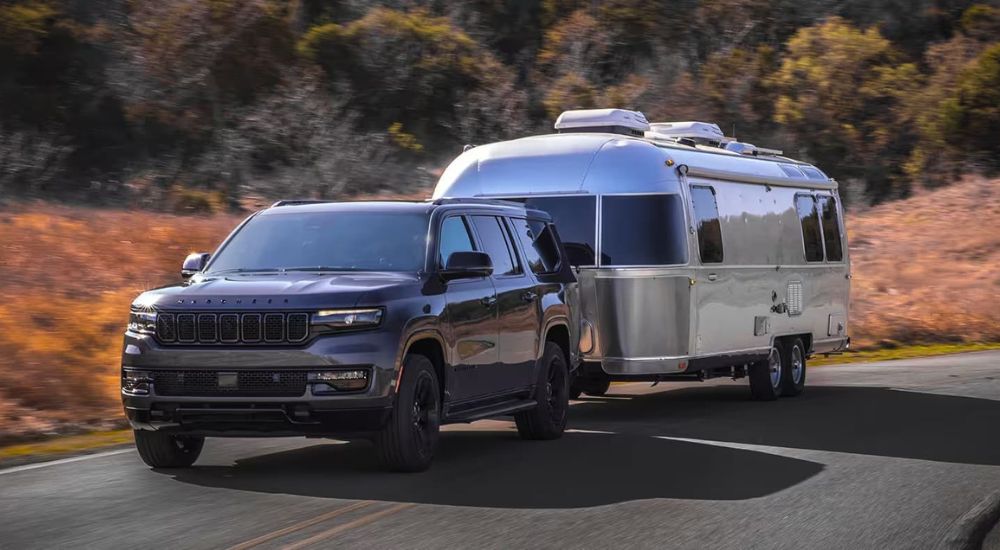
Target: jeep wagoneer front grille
<point x="232" y="328"/>
<point x="243" y="383"/>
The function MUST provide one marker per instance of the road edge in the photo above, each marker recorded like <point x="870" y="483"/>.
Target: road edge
<point x="970" y="530"/>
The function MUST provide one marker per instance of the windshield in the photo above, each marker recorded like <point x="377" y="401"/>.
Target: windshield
<point x="327" y="241"/>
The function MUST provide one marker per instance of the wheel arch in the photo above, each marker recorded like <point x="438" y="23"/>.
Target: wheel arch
<point x="430" y="344"/>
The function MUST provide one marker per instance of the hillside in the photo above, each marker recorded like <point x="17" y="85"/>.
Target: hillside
<point x="924" y="270"/>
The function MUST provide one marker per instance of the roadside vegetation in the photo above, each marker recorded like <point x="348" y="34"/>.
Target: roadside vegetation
<point x="193" y="105"/>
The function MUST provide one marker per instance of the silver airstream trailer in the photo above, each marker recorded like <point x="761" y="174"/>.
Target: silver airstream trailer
<point x="696" y="255"/>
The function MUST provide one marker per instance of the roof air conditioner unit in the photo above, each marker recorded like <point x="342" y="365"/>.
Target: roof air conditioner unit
<point x="617" y="121"/>
<point x="699" y="131"/>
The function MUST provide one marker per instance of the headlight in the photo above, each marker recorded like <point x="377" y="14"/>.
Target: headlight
<point x="348" y="318"/>
<point x="143" y="322"/>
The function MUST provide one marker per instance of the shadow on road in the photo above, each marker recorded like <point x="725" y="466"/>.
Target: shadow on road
<point x="860" y="420"/>
<point x="481" y="468"/>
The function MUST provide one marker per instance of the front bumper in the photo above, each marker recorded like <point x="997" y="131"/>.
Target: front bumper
<point x="257" y="414"/>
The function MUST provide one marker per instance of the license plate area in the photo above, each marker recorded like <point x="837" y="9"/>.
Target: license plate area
<point x="228" y="380"/>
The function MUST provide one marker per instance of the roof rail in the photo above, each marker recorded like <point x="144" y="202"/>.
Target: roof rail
<point x="475" y="200"/>
<point x="293" y="202"/>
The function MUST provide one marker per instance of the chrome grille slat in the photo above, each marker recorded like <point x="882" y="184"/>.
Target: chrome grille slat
<point x="270" y="328"/>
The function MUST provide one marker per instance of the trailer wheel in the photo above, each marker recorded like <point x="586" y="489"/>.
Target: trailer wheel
<point x="766" y="377"/>
<point x="793" y="367"/>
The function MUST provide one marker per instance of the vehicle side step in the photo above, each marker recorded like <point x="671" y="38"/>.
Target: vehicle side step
<point x="498" y="409"/>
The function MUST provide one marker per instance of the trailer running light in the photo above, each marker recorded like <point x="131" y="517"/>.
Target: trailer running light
<point x="338" y="380"/>
<point x="136" y="382"/>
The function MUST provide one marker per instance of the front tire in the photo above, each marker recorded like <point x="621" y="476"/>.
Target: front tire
<point x="766" y="376"/>
<point x="163" y="450"/>
<point x="548" y="419"/>
<point x="409" y="438"/>
<point x="793" y="365"/>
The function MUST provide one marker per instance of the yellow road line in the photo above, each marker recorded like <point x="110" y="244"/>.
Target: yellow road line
<point x="348" y="526"/>
<point x="300" y="525"/>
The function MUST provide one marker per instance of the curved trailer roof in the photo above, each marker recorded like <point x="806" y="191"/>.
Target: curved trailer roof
<point x="609" y="163"/>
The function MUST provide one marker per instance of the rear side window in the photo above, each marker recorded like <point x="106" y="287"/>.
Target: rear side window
<point x="642" y="230"/>
<point x="831" y="229"/>
<point x="576" y="218"/>
<point x="494" y="240"/>
<point x="706" y="219"/>
<point x="538" y="243"/>
<point x="454" y="238"/>
<point x="809" y="218"/>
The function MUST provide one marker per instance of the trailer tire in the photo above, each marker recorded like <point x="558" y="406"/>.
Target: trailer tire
<point x="766" y="377"/>
<point x="793" y="367"/>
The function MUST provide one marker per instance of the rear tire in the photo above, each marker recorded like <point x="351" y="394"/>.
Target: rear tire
<point x="163" y="450"/>
<point x="793" y="367"/>
<point x="548" y="419"/>
<point x="766" y="376"/>
<point x="408" y="440"/>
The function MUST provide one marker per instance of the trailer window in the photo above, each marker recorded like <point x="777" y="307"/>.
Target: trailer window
<point x="706" y="219"/>
<point x="642" y="230"/>
<point x="831" y="229"/>
<point x="811" y="236"/>
<point x="576" y="218"/>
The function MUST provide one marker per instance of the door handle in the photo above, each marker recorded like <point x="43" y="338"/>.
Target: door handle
<point x="529" y="296"/>
<point x="488" y="301"/>
<point x="712" y="276"/>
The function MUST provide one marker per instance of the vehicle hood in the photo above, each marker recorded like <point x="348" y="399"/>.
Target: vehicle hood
<point x="291" y="290"/>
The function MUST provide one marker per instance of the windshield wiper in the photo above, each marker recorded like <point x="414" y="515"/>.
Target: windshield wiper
<point x="245" y="270"/>
<point x="321" y="268"/>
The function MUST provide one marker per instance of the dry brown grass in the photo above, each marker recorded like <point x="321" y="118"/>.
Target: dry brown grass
<point x="925" y="270"/>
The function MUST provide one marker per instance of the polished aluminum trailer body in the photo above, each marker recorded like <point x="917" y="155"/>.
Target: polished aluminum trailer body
<point x="651" y="304"/>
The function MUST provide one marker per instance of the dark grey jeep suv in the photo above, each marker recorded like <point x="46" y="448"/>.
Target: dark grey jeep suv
<point x="378" y="320"/>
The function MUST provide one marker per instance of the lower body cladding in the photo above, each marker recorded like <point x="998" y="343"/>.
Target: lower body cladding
<point x="213" y="415"/>
<point x="339" y="386"/>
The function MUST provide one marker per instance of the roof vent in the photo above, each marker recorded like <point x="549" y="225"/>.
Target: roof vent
<point x="617" y="121"/>
<point x="751" y="149"/>
<point x="700" y="132"/>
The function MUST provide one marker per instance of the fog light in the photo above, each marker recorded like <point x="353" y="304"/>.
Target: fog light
<point x="340" y="380"/>
<point x="136" y="382"/>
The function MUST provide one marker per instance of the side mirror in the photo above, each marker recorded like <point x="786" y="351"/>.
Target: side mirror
<point x="466" y="265"/>
<point x="194" y="263"/>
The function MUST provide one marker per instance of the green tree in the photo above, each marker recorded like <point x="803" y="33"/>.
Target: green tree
<point x="972" y="115"/>
<point x="839" y="95"/>
<point x="417" y="70"/>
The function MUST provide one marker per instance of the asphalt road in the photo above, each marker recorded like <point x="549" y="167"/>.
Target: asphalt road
<point x="888" y="455"/>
